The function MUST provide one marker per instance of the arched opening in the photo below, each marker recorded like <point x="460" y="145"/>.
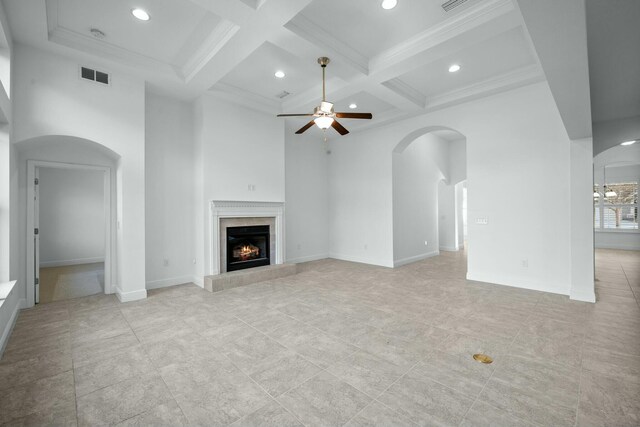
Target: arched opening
<point x="616" y="176"/>
<point x="429" y="195"/>
<point x="65" y="158"/>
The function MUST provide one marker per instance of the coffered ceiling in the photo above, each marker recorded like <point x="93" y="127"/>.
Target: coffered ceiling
<point x="393" y="63"/>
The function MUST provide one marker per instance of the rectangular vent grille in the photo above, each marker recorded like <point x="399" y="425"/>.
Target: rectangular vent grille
<point x="283" y="94"/>
<point x="451" y="4"/>
<point x="94" y="76"/>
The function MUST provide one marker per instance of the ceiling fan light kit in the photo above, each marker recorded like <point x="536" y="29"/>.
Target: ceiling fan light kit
<point x="324" y="115"/>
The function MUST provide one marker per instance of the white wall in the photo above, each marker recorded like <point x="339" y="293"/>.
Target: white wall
<point x="307" y="196"/>
<point x="235" y="147"/>
<point x="416" y="173"/>
<point x="516" y="143"/>
<point x="50" y="99"/>
<point x="170" y="193"/>
<point x="72" y="220"/>
<point x="447" y="217"/>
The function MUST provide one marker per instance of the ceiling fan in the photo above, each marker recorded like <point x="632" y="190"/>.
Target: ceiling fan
<point x="324" y="116"/>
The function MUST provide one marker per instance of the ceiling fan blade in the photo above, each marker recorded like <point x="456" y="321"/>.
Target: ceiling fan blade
<point x="305" y="127"/>
<point x="354" y="115"/>
<point x="295" y="115"/>
<point x="337" y="126"/>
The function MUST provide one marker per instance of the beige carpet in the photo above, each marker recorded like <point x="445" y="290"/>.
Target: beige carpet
<point x="73" y="281"/>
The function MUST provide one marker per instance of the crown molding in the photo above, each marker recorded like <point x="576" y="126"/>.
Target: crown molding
<point x="245" y="98"/>
<point x="306" y="29"/>
<point x="85" y="43"/>
<point x="406" y="91"/>
<point x="460" y="23"/>
<point x="507" y="81"/>
<point x="216" y="40"/>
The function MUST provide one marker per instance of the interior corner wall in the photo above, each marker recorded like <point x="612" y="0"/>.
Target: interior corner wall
<point x="307" y="195"/>
<point x="169" y="193"/>
<point x="49" y="98"/>
<point x="417" y="172"/>
<point x="5" y="204"/>
<point x="517" y="148"/>
<point x="72" y="220"/>
<point x="243" y="157"/>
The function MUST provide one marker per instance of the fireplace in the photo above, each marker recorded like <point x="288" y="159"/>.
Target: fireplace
<point x="248" y="247"/>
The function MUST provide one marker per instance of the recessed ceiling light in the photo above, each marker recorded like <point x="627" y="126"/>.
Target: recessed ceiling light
<point x="279" y="74"/>
<point x="454" y="68"/>
<point x="389" y="4"/>
<point x="141" y="14"/>
<point x="353" y="106"/>
<point x="629" y="142"/>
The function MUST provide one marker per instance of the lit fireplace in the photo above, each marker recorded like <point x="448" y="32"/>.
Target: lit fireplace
<point x="247" y="247"/>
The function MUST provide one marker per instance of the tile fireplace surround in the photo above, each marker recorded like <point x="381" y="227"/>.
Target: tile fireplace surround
<point x="226" y="213"/>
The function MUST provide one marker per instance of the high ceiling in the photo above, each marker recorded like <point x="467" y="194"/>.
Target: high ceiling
<point x="614" y="62"/>
<point x="393" y="63"/>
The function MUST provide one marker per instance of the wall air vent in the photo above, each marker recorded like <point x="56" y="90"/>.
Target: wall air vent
<point x="283" y="94"/>
<point x="94" y="75"/>
<point x="452" y="4"/>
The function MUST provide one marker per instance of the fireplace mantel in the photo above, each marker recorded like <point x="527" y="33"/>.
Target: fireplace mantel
<point x="237" y="209"/>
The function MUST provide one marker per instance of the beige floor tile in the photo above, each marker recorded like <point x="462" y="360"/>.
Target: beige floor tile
<point x="272" y="414"/>
<point x="324" y="400"/>
<point x="166" y="414"/>
<point x="121" y="401"/>
<point x="426" y="402"/>
<point x="376" y="414"/>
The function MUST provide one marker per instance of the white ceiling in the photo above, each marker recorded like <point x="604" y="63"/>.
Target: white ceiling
<point x="391" y="63"/>
<point x="613" y="33"/>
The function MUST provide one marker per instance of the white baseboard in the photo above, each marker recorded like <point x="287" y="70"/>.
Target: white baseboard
<point x="130" y="296"/>
<point x="198" y="281"/>
<point x="589" y="296"/>
<point x="362" y="260"/>
<point x="63" y="263"/>
<point x="307" y="258"/>
<point x="173" y="281"/>
<point x="631" y="247"/>
<point x="412" y="259"/>
<point x="6" y="333"/>
<point x="519" y="282"/>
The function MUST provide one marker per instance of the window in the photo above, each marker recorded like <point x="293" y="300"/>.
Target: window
<point x="616" y="206"/>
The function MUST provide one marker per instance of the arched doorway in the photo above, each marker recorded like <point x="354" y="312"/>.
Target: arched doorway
<point x="72" y="154"/>
<point x="428" y="185"/>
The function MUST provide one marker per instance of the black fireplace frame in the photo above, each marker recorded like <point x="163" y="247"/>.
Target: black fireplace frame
<point x="246" y="232"/>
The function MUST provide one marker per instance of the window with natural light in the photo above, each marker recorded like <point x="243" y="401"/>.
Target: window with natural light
<point x="616" y="206"/>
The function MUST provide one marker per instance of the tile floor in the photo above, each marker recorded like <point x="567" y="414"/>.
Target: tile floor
<point x="71" y="281"/>
<point x="338" y="344"/>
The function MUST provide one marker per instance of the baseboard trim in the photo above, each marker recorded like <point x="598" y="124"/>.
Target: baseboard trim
<point x="198" y="281"/>
<point x="307" y="258"/>
<point x="415" y="258"/>
<point x="620" y="247"/>
<point x="518" y="282"/>
<point x="584" y="297"/>
<point x="4" y="339"/>
<point x="361" y="260"/>
<point x="63" y="263"/>
<point x="131" y="296"/>
<point x="172" y="281"/>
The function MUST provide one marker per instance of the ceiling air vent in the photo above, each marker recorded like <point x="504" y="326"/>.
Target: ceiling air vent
<point x="94" y="75"/>
<point x="283" y="94"/>
<point x="452" y="4"/>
